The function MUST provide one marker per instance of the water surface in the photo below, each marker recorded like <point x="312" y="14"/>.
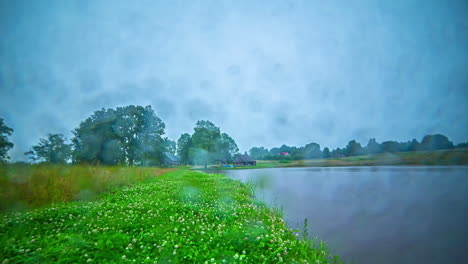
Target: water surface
<point x="401" y="214"/>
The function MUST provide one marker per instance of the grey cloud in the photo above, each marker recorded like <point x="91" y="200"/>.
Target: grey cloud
<point x="267" y="73"/>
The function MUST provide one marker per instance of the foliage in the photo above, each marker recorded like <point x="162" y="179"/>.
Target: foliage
<point x="326" y="153"/>
<point x="52" y="149"/>
<point x="180" y="217"/>
<point x="5" y="144"/>
<point x="312" y="151"/>
<point x="206" y="145"/>
<point x="129" y="135"/>
<point x="354" y="148"/>
<point x="439" y="157"/>
<point x="435" y="142"/>
<point x="183" y="145"/>
<point x="170" y="146"/>
<point x="258" y="153"/>
<point x="226" y="148"/>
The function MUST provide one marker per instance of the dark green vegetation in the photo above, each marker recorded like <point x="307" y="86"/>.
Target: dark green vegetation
<point x="5" y="144"/>
<point x="439" y="157"/>
<point x="31" y="186"/>
<point x="354" y="148"/>
<point x="206" y="145"/>
<point x="130" y="135"/>
<point x="133" y="135"/>
<point x="180" y="217"/>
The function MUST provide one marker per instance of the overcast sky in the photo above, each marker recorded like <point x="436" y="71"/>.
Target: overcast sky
<point x="267" y="72"/>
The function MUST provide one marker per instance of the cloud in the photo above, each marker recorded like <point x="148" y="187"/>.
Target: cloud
<point x="270" y="73"/>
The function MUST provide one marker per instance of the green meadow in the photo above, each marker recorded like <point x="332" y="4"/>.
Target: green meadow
<point x="181" y="216"/>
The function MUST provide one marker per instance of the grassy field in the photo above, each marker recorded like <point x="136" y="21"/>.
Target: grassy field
<point x="180" y="217"/>
<point x="32" y="186"/>
<point x="441" y="157"/>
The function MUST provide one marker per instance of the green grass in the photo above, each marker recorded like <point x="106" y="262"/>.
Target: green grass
<point x="33" y="186"/>
<point x="180" y="217"/>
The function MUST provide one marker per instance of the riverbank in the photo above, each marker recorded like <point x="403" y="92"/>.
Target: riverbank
<point x="180" y="217"/>
<point x="425" y="158"/>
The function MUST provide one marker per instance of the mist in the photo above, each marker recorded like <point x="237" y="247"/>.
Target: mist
<point x="266" y="72"/>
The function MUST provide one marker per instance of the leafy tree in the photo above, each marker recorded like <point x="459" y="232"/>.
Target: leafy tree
<point x="226" y="148"/>
<point x="390" y="146"/>
<point x="336" y="153"/>
<point x="312" y="151"/>
<point x="209" y="145"/>
<point x="435" y="142"/>
<point x="5" y="144"/>
<point x="373" y="147"/>
<point x="170" y="146"/>
<point x="129" y="135"/>
<point x="353" y="148"/>
<point x="462" y="145"/>
<point x="412" y="145"/>
<point x="183" y="145"/>
<point x="258" y="153"/>
<point x="204" y="142"/>
<point x="326" y="153"/>
<point x="51" y="149"/>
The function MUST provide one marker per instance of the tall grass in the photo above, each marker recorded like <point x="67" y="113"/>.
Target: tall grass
<point x="31" y="186"/>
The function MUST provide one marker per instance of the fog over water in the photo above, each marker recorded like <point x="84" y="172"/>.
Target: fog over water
<point x="267" y="72"/>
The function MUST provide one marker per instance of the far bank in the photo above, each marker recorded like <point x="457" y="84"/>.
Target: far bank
<point x="423" y="158"/>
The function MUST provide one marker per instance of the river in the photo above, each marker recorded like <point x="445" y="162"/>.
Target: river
<point x="399" y="214"/>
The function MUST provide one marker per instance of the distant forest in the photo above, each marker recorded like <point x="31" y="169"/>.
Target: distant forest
<point x="354" y="148"/>
<point x="133" y="136"/>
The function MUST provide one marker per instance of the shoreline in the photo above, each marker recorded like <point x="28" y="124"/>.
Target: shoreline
<point x="456" y="157"/>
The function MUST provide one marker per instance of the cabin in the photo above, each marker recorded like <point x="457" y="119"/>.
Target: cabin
<point x="171" y="159"/>
<point x="243" y="160"/>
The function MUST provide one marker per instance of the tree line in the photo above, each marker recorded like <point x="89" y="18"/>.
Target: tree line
<point x="134" y="136"/>
<point x="354" y="148"/>
<point x="130" y="135"/>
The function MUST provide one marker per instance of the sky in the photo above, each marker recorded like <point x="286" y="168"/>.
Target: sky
<point x="266" y="72"/>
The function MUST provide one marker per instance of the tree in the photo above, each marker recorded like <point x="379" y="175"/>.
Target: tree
<point x="337" y="153"/>
<point x="312" y="151"/>
<point x="52" y="149"/>
<point x="226" y="149"/>
<point x="353" y="148"/>
<point x="204" y="142"/>
<point x="435" y="142"/>
<point x="462" y="145"/>
<point x="130" y="135"/>
<point x="170" y="146"/>
<point x="5" y="144"/>
<point x="412" y="145"/>
<point x="373" y="147"/>
<point x="258" y="153"/>
<point x="209" y="145"/>
<point x="183" y="145"/>
<point x="326" y="153"/>
<point x="390" y="146"/>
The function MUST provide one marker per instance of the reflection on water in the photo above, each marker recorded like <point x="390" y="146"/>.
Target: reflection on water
<point x="374" y="214"/>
